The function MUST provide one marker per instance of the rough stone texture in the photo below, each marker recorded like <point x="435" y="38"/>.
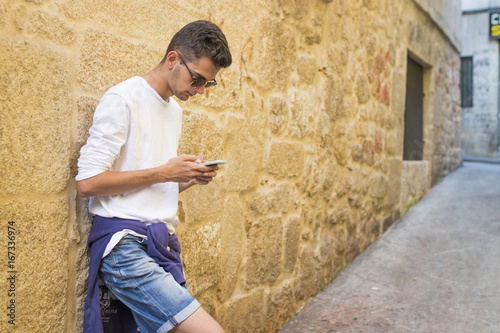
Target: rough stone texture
<point x="201" y="253"/>
<point x="51" y="28"/>
<point x="232" y="246"/>
<point x="414" y="182"/>
<point x="263" y="251"/>
<point x="107" y="60"/>
<point x="310" y="117"/>
<point x="285" y="159"/>
<point x="41" y="263"/>
<point x="35" y="131"/>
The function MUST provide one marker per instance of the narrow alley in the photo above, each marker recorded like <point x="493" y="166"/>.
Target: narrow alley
<point x="435" y="270"/>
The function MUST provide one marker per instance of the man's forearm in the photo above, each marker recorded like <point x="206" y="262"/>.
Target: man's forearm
<point x="117" y="182"/>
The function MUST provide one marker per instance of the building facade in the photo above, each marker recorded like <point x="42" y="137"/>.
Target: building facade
<point x="480" y="77"/>
<point x="335" y="117"/>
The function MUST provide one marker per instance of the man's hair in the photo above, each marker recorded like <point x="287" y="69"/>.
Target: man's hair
<point x="200" y="39"/>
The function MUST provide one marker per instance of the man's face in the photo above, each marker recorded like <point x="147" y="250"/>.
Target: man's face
<point x="183" y="74"/>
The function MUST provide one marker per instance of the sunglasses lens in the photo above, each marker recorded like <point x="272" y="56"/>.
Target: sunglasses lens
<point x="210" y="84"/>
<point x="198" y="82"/>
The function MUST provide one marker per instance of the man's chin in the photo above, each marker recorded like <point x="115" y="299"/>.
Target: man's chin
<point x="182" y="97"/>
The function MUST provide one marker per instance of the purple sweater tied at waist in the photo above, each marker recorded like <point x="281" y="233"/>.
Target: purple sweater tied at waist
<point x="159" y="240"/>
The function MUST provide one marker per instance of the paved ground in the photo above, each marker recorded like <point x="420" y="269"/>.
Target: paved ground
<point x="436" y="270"/>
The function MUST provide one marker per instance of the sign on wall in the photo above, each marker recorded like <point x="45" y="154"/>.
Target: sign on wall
<point x="495" y="24"/>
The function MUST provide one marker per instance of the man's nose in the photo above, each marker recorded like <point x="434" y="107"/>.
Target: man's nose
<point x="200" y="89"/>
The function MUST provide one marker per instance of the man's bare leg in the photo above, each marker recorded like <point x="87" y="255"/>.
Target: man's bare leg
<point x="199" y="322"/>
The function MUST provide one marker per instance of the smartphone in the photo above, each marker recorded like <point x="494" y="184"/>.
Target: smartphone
<point x="216" y="162"/>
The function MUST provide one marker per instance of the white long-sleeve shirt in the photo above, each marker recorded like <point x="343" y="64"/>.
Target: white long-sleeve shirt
<point x="133" y="129"/>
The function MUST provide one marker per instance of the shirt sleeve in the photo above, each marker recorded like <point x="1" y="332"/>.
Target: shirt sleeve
<point x="108" y="134"/>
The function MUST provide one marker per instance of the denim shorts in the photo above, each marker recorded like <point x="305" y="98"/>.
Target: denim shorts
<point x="156" y="300"/>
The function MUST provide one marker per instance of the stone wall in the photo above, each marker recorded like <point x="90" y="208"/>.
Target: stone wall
<point x="309" y="116"/>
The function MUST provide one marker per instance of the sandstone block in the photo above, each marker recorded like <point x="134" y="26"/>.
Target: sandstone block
<point x="292" y="241"/>
<point x="204" y="202"/>
<point x="35" y="104"/>
<point x="201" y="135"/>
<point x="334" y="99"/>
<point x="276" y="200"/>
<point x="281" y="305"/>
<point x="341" y="150"/>
<point x="307" y="69"/>
<point x="395" y="170"/>
<point x="378" y="186"/>
<point x="285" y="159"/>
<point x="244" y="154"/>
<point x="278" y="114"/>
<point x="107" y="60"/>
<point x="85" y="112"/>
<point x="3" y="15"/>
<point x="201" y="255"/>
<point x="278" y="47"/>
<point x="362" y="88"/>
<point x="264" y="243"/>
<point x="232" y="245"/>
<point x="300" y="113"/>
<point x="41" y="263"/>
<point x="51" y="27"/>
<point x="245" y="313"/>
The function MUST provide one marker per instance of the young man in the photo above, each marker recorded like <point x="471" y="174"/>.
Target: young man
<point x="130" y="169"/>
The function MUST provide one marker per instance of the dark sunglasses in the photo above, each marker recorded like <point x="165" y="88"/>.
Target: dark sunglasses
<point x="198" y="80"/>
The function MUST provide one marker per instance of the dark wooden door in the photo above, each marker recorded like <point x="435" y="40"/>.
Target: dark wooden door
<point x="414" y="112"/>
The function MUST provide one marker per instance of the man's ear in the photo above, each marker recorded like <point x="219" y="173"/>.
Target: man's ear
<point x="172" y="59"/>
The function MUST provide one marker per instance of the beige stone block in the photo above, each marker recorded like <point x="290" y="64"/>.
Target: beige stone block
<point x="205" y="202"/>
<point x="264" y="243"/>
<point x="244" y="154"/>
<point x="308" y="274"/>
<point x="277" y="53"/>
<point x="143" y="19"/>
<point x="343" y="185"/>
<point x="341" y="150"/>
<point x="278" y="114"/>
<point x="362" y="88"/>
<point x="378" y="186"/>
<point x="307" y="69"/>
<point x="232" y="246"/>
<point x="85" y="112"/>
<point x="20" y="17"/>
<point x="414" y="182"/>
<point x="37" y="2"/>
<point x="327" y="249"/>
<point x="292" y="241"/>
<point x="245" y="313"/>
<point x="277" y="199"/>
<point x="3" y="15"/>
<point x="398" y="94"/>
<point x="41" y="263"/>
<point x="285" y="159"/>
<point x="334" y="98"/>
<point x="394" y="189"/>
<point x="107" y="60"/>
<point x="300" y="112"/>
<point x="281" y="305"/>
<point x="35" y="109"/>
<point x="201" y="135"/>
<point x="51" y="27"/>
<point x="201" y="255"/>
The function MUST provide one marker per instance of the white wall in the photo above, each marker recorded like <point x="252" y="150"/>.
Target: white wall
<point x="480" y="122"/>
<point x="447" y="14"/>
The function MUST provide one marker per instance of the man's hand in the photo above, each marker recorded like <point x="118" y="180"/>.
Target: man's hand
<point x="180" y="169"/>
<point x="186" y="168"/>
<point x="204" y="179"/>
